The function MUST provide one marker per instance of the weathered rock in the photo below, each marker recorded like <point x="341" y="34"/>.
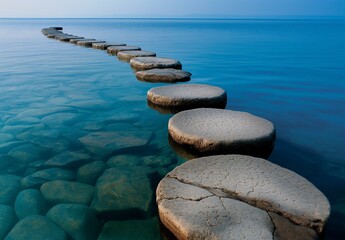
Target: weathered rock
<point x="123" y="189"/>
<point x="28" y="153"/>
<point x="89" y="173"/>
<point x="128" y="55"/>
<point x="146" y="63"/>
<point x="103" y="143"/>
<point x="59" y="36"/>
<point x="36" y="227"/>
<point x="210" y="131"/>
<point x="68" y="159"/>
<point x="116" y="49"/>
<point x="88" y="43"/>
<point x="7" y="220"/>
<point x="131" y="229"/>
<point x="187" y="96"/>
<point x="30" y="202"/>
<point x="77" y="220"/>
<point x="165" y="75"/>
<point x="61" y="191"/>
<point x="68" y="38"/>
<point x="251" y="180"/>
<point x="105" y="45"/>
<point x="75" y="41"/>
<point x="9" y="188"/>
<point x="38" y="178"/>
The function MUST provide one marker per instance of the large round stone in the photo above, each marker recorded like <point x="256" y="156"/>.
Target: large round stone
<point x="116" y="49"/>
<point x="75" y="41"/>
<point x="209" y="131"/>
<point x="36" y="227"/>
<point x="88" y="43"/>
<point x="235" y="197"/>
<point x="30" y="202"/>
<point x="146" y="63"/>
<point x="165" y="75"/>
<point x="77" y="220"/>
<point x="128" y="55"/>
<point x="105" y="45"/>
<point x="187" y="96"/>
<point x="9" y="188"/>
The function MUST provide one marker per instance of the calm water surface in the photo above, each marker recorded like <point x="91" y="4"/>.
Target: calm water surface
<point x="60" y="100"/>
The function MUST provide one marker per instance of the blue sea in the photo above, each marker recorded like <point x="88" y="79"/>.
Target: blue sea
<point x="59" y="101"/>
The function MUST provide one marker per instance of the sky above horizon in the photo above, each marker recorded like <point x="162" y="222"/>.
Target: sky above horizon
<point x="171" y="8"/>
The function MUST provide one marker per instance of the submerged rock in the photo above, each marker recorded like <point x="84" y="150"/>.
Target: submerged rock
<point x="7" y="220"/>
<point x="36" y="227"/>
<point x="89" y="173"/>
<point x="166" y="75"/>
<point x="9" y="188"/>
<point x="68" y="159"/>
<point x="75" y="41"/>
<point x="30" y="202"/>
<point x="146" y="63"/>
<point x="60" y="191"/>
<point x="88" y="43"/>
<point x="78" y="221"/>
<point x="28" y="153"/>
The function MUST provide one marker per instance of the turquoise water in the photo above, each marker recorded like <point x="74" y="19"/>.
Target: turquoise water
<point x="57" y="98"/>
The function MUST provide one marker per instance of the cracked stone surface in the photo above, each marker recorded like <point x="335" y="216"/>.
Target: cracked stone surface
<point x="128" y="55"/>
<point x="208" y="130"/>
<point x="187" y="95"/>
<point x="116" y="49"/>
<point x="165" y="75"/>
<point x="105" y="45"/>
<point x="218" y="197"/>
<point x="146" y="63"/>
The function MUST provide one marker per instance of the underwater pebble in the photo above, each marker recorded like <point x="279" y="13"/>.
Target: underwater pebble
<point x="30" y="202"/>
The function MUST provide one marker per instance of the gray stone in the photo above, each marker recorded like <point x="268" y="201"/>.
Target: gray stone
<point x="30" y="202"/>
<point x="36" y="227"/>
<point x="165" y="75"/>
<point x="38" y="178"/>
<point x="123" y="188"/>
<point x="68" y="159"/>
<point x="68" y="38"/>
<point x="251" y="180"/>
<point x="116" y="49"/>
<point x="187" y="96"/>
<point x="78" y="221"/>
<point x="59" y="36"/>
<point x="103" y="143"/>
<point x="9" y="188"/>
<point x="75" y="41"/>
<point x="131" y="229"/>
<point x="146" y="63"/>
<point x="128" y="55"/>
<point x="105" y="45"/>
<point x="27" y="153"/>
<point x="7" y="220"/>
<point x="61" y="191"/>
<point x="41" y="112"/>
<point x="89" y="173"/>
<point x="88" y="43"/>
<point x="208" y="130"/>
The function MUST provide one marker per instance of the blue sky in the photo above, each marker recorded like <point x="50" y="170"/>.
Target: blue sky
<point x="172" y="8"/>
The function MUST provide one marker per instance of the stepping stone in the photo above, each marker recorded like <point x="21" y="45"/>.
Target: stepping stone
<point x="78" y="221"/>
<point x="68" y="159"/>
<point x="60" y="191"/>
<point x="9" y="188"/>
<point x="105" y="45"/>
<point x="68" y="38"/>
<point x="209" y="131"/>
<point x="75" y="41"/>
<point x="116" y="49"/>
<point x="30" y="202"/>
<point x="36" y="227"/>
<point x="128" y="55"/>
<point x="187" y="96"/>
<point x="87" y="43"/>
<point x="89" y="173"/>
<point x="146" y="63"/>
<point x="63" y="35"/>
<point x="7" y="220"/>
<point x="165" y="75"/>
<point x="53" y="35"/>
<point x="234" y="197"/>
<point x="56" y="28"/>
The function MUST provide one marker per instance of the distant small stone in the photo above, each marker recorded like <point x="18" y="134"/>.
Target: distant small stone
<point x="128" y="55"/>
<point x="75" y="41"/>
<point x="146" y="63"/>
<point x="88" y="43"/>
<point x="115" y="49"/>
<point x="105" y="45"/>
<point x="30" y="202"/>
<point x="165" y="75"/>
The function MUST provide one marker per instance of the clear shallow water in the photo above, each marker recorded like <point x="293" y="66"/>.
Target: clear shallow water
<point x="57" y="97"/>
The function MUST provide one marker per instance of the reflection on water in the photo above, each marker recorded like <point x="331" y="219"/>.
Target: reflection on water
<point x="78" y="139"/>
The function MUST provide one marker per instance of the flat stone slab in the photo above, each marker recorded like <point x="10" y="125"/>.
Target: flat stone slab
<point x="128" y="55"/>
<point x="165" y="75"/>
<point x="63" y="35"/>
<point x="146" y="63"/>
<point x="68" y="38"/>
<point x="68" y="159"/>
<point x="209" y="131"/>
<point x="75" y="41"/>
<point x="116" y="49"/>
<point x="188" y="96"/>
<point x="105" y="45"/>
<point x="9" y="188"/>
<point x="235" y="197"/>
<point x="88" y="43"/>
